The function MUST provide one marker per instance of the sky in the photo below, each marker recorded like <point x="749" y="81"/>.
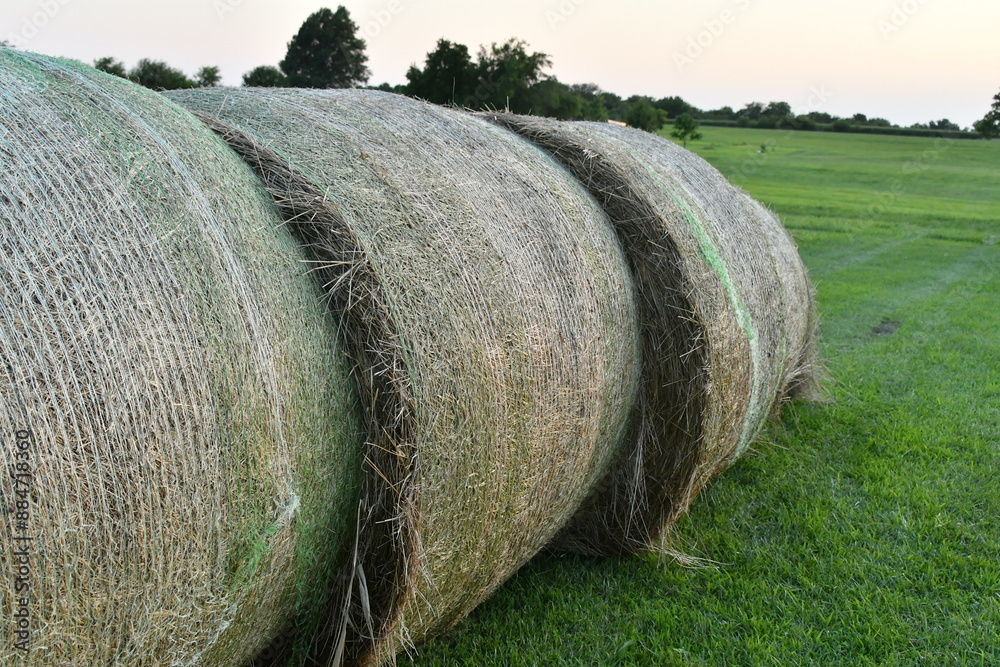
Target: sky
<point x="908" y="61"/>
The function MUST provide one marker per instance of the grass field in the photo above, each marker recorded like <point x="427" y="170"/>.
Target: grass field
<point x="860" y="531"/>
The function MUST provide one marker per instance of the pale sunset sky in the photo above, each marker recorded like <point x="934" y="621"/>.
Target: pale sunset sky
<point x="906" y="60"/>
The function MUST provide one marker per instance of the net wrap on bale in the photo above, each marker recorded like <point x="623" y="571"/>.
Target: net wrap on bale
<point x="195" y="444"/>
<point x="513" y="310"/>
<point x="727" y="320"/>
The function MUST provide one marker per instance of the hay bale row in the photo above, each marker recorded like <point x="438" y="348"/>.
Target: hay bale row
<point x="727" y="319"/>
<point x="512" y="309"/>
<point x="309" y="374"/>
<point x="195" y="440"/>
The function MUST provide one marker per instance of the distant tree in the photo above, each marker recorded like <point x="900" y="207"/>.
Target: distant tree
<point x="725" y="113"/>
<point x="943" y="124"/>
<point x="264" y="76"/>
<point x="208" y="76"/>
<point x="751" y="111"/>
<point x="111" y="66"/>
<point x="594" y="100"/>
<point x="588" y="91"/>
<point x="859" y="119"/>
<point x="554" y="99"/>
<point x="842" y="125"/>
<point x="326" y="52"/>
<point x="507" y="72"/>
<point x="686" y="127"/>
<point x="989" y="125"/>
<point x="448" y="76"/>
<point x="643" y="115"/>
<point x="596" y="109"/>
<point x="777" y="110"/>
<point x="157" y="75"/>
<point x="804" y="123"/>
<point x="821" y="117"/>
<point x="676" y="106"/>
<point x="879" y="122"/>
<point x="4" y="42"/>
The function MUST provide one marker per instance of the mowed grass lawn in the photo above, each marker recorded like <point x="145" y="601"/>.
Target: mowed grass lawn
<point x="860" y="531"/>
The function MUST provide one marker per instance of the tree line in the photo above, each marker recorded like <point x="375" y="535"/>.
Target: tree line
<point x="327" y="52"/>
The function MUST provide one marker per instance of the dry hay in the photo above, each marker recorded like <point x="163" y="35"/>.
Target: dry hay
<point x="727" y="317"/>
<point x="195" y="439"/>
<point x="513" y="313"/>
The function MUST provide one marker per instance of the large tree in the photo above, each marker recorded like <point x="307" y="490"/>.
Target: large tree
<point x="326" y="52"/>
<point x="989" y="125"/>
<point x="448" y="76"/>
<point x="507" y="72"/>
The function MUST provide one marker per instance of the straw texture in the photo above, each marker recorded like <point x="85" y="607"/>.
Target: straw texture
<point x="195" y="441"/>
<point x="514" y="314"/>
<point x="728" y="321"/>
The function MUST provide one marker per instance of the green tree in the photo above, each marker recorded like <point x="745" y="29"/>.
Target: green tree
<point x="643" y="115"/>
<point x="989" y="125"/>
<point x="686" y="127"/>
<point x="111" y="66"/>
<point x="264" y="76"/>
<point x="752" y="111"/>
<point x="675" y="106"/>
<point x="725" y="113"/>
<point x="777" y="110"/>
<point x="554" y="99"/>
<point x="448" y="76"/>
<point x="506" y="73"/>
<point x="326" y="52"/>
<point x="208" y="76"/>
<point x="943" y="124"/>
<point x="157" y="75"/>
<point x="594" y="100"/>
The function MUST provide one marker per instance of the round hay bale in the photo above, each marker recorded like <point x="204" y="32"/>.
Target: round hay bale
<point x="509" y="303"/>
<point x="727" y="316"/>
<point x="192" y="443"/>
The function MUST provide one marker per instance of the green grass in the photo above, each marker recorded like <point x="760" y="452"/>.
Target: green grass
<point x="862" y="531"/>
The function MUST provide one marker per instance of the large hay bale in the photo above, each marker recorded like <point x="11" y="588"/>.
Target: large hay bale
<point x="727" y="318"/>
<point x="189" y="423"/>
<point x="509" y="304"/>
